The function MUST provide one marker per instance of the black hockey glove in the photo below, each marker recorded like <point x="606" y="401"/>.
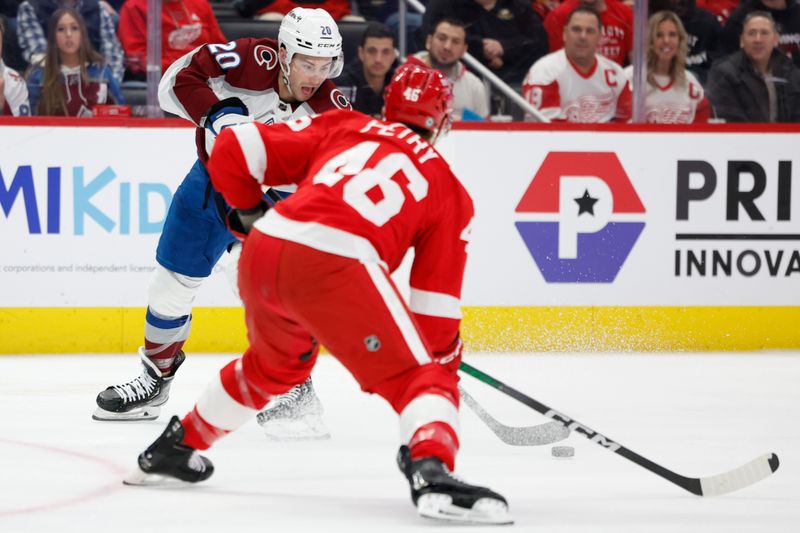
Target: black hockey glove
<point x="240" y="221"/>
<point x="225" y="113"/>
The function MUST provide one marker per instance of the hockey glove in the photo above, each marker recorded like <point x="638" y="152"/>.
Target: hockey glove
<point x="226" y="113"/>
<point x="450" y="358"/>
<point x="240" y="221"/>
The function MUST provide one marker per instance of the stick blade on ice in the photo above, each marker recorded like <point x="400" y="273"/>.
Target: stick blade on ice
<point x="740" y="477"/>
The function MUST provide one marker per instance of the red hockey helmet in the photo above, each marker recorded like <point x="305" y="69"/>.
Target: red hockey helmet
<point x="421" y="97"/>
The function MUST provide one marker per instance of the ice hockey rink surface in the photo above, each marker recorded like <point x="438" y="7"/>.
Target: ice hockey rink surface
<point x="696" y="414"/>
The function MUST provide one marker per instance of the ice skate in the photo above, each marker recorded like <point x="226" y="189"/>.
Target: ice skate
<point x="296" y="415"/>
<point x="167" y="460"/>
<point x="140" y="398"/>
<point x="440" y="495"/>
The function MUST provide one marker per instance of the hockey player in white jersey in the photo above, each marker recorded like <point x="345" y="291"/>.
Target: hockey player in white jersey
<point x="216" y="86"/>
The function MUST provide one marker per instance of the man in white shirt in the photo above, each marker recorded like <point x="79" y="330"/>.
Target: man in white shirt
<point x="445" y="46"/>
<point x="576" y="84"/>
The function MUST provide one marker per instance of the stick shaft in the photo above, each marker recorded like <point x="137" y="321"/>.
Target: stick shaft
<point x="690" y="484"/>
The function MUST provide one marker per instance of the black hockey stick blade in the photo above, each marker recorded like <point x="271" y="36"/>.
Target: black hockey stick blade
<point x="539" y="435"/>
<point x="735" y="479"/>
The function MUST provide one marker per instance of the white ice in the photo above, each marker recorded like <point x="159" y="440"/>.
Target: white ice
<point x="697" y="414"/>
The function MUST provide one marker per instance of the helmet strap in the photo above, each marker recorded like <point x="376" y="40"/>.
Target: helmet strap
<point x="440" y="130"/>
<point x="286" y="71"/>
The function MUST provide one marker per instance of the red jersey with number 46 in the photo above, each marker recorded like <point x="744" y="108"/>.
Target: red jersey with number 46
<point x="245" y="68"/>
<point x="367" y="189"/>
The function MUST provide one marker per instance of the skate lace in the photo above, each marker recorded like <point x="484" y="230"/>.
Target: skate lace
<point x="290" y="398"/>
<point x="136" y="389"/>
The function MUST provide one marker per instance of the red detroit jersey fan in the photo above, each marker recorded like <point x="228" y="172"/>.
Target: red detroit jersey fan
<point x="561" y="91"/>
<point x="245" y="68"/>
<point x="368" y="189"/>
<point x="617" y="32"/>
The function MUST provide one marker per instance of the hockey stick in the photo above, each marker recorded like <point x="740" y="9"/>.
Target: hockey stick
<point x="540" y="435"/>
<point x="735" y="479"/>
<point x="273" y="195"/>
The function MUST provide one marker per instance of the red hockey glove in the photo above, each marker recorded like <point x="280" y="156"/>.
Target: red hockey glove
<point x="451" y="357"/>
<point x="240" y="221"/>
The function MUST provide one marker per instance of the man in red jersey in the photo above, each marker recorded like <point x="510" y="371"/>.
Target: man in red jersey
<point x="216" y="86"/>
<point x="616" y="20"/>
<point x="316" y="269"/>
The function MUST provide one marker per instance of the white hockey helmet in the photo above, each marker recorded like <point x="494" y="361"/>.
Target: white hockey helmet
<point x="312" y="32"/>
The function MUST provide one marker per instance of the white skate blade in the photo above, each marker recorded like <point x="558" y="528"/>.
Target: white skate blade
<point x="139" y="478"/>
<point x="297" y="429"/>
<point x="147" y="412"/>
<point x="484" y="511"/>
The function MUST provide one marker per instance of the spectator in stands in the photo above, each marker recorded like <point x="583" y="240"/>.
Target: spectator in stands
<point x="9" y="8"/>
<point x="576" y="83"/>
<point x="785" y="13"/>
<point x="73" y="78"/>
<point x="543" y="7"/>
<point x="364" y="79"/>
<point x="758" y="83"/>
<point x="505" y="35"/>
<point x="276" y="9"/>
<point x="13" y="92"/>
<point x="445" y="46"/>
<point x="185" y="25"/>
<point x="674" y="96"/>
<point x="722" y="9"/>
<point x="703" y="30"/>
<point x="616" y="41"/>
<point x="12" y="55"/>
<point x="33" y="17"/>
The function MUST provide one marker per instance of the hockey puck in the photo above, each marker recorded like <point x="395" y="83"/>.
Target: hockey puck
<point x="562" y="451"/>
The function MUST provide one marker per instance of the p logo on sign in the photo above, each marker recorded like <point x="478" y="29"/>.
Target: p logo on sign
<point x="581" y="204"/>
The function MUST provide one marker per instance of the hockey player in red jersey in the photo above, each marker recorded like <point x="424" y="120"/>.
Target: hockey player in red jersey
<point x="215" y="86"/>
<point x="316" y="269"/>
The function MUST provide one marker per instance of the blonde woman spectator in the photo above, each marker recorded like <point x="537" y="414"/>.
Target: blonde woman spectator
<point x="674" y="96"/>
<point x="74" y="78"/>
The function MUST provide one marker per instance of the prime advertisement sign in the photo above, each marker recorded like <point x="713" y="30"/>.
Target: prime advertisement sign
<point x="585" y="191"/>
<point x="681" y="239"/>
<point x="623" y="218"/>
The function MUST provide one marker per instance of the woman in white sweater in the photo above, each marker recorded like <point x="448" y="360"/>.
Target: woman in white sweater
<point x="674" y="96"/>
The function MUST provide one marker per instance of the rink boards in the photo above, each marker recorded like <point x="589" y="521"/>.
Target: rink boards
<point x="629" y="238"/>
